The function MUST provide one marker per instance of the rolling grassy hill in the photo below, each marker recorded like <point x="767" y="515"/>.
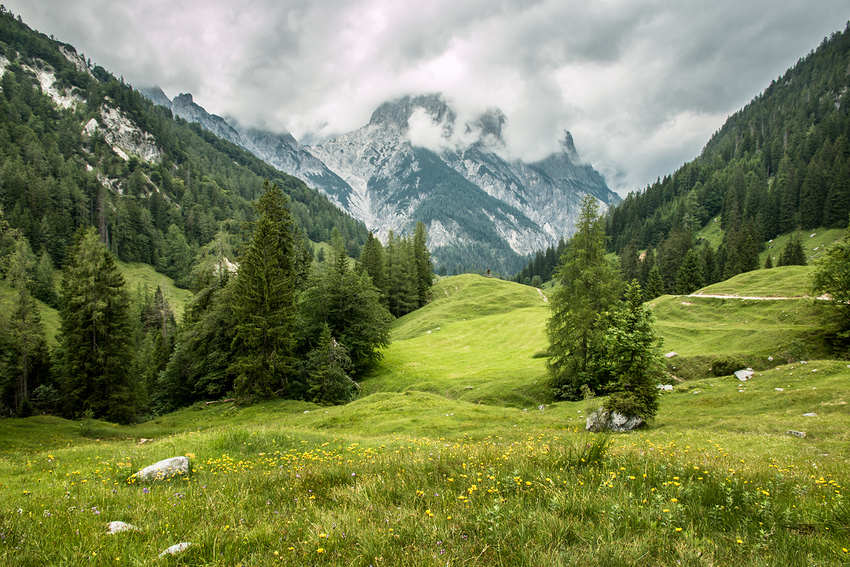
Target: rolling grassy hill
<point x="455" y="454"/>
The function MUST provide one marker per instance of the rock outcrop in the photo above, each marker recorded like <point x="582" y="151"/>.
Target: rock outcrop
<point x="165" y="468"/>
<point x="601" y="419"/>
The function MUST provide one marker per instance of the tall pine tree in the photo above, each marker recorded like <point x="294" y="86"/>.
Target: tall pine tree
<point x="96" y="337"/>
<point x="264" y="301"/>
<point x="589" y="287"/>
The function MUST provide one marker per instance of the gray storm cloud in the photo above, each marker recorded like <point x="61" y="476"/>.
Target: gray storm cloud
<point x="640" y="84"/>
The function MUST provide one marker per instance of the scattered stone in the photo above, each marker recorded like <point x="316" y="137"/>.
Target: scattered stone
<point x="600" y="420"/>
<point x="665" y="387"/>
<point x="779" y="389"/>
<point x="176" y="548"/>
<point x="670" y="354"/>
<point x="117" y="527"/>
<point x="810" y="414"/>
<point x="144" y="440"/>
<point x="744" y="375"/>
<point x="770" y="358"/>
<point x="165" y="469"/>
<point x="799" y="434"/>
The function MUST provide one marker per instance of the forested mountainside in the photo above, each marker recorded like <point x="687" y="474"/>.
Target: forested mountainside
<point x="779" y="165"/>
<point x="91" y="171"/>
<point x="79" y="147"/>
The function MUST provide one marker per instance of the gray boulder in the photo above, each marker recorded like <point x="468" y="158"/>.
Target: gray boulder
<point x="744" y="375"/>
<point x="165" y="469"/>
<point x="601" y="420"/>
<point x="118" y="527"/>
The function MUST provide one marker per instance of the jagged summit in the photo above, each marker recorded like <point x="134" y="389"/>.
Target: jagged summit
<point x="569" y="147"/>
<point x="398" y="112"/>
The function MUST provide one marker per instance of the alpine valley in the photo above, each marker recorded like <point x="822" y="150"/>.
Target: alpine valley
<point x="482" y="209"/>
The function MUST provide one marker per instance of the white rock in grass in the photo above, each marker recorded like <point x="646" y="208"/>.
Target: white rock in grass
<point x="799" y="434"/>
<point x="176" y="548"/>
<point x="810" y="415"/>
<point x="165" y="469"/>
<point x="744" y="375"/>
<point x="117" y="527"/>
<point x="670" y="354"/>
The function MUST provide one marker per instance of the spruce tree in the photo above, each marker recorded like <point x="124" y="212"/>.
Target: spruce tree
<point x="632" y="358"/>
<point x="96" y="337"/>
<point x="792" y="254"/>
<point x="589" y="287"/>
<point x="630" y="261"/>
<point x="264" y="301"/>
<point x="328" y="382"/>
<point x="837" y="205"/>
<point x="372" y="262"/>
<point x="27" y="345"/>
<point x="349" y="305"/>
<point x="709" y="264"/>
<point x="654" y="285"/>
<point x="690" y="276"/>
<point x="424" y="268"/>
<point x="402" y="276"/>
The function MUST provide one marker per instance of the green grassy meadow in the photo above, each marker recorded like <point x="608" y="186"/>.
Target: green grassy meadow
<point x="455" y="454"/>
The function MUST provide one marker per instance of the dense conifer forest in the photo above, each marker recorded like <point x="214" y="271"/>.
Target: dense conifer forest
<point x="781" y="164"/>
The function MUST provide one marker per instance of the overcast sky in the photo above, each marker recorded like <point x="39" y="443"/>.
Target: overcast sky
<point x="641" y="84"/>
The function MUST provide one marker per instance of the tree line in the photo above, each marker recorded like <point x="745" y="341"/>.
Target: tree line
<point x="281" y="325"/>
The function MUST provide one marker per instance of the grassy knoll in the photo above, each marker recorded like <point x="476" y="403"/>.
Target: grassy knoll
<point x="787" y="281"/>
<point x="476" y="341"/>
<point x="418" y="472"/>
<point x="785" y="326"/>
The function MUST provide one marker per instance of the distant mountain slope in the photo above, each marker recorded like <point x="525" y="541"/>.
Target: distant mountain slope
<point x="80" y="148"/>
<point x="482" y="210"/>
<point x="782" y="162"/>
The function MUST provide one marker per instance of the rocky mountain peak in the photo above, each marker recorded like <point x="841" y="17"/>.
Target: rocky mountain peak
<point x="157" y="95"/>
<point x="491" y="123"/>
<point x="569" y="147"/>
<point x="398" y="112"/>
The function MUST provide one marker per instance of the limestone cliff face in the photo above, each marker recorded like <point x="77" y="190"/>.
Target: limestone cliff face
<point x="124" y="136"/>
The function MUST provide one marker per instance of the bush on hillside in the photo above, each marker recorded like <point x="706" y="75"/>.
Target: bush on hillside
<point x="726" y="365"/>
